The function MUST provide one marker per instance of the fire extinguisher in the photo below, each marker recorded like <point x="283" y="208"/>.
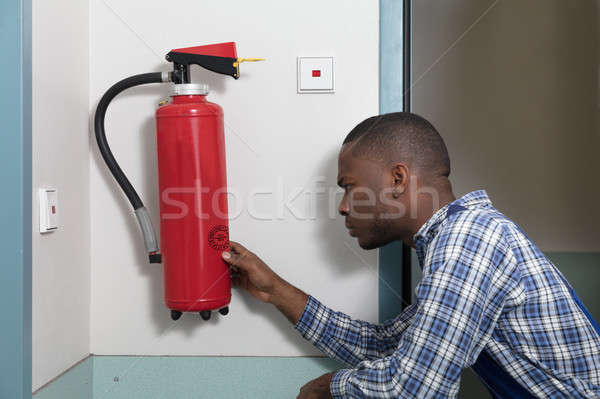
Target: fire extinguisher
<point x="191" y="179"/>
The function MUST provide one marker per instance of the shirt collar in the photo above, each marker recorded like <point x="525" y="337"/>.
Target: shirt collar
<point x="474" y="199"/>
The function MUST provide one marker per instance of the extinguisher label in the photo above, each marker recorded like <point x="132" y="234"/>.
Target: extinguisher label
<point x="218" y="238"/>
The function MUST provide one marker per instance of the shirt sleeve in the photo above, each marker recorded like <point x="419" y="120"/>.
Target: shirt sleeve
<point x="347" y="340"/>
<point x="458" y="302"/>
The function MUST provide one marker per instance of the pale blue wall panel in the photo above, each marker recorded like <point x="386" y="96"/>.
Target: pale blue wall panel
<point x="15" y="205"/>
<point x="390" y="100"/>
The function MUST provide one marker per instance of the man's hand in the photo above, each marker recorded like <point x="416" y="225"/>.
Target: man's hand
<point x="317" y="388"/>
<point x="260" y="281"/>
<point x="251" y="273"/>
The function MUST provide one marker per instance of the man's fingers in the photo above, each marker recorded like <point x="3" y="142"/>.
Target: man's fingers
<point x="234" y="259"/>
<point x="302" y="393"/>
<point x="237" y="247"/>
<point x="236" y="255"/>
<point x="239" y="279"/>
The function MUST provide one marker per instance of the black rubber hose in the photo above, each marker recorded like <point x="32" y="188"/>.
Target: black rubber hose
<point x="111" y="162"/>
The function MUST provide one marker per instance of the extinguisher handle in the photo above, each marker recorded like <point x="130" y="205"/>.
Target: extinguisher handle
<point x="182" y="61"/>
<point x="220" y="58"/>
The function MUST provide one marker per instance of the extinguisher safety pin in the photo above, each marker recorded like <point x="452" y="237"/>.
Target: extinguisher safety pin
<point x="240" y="60"/>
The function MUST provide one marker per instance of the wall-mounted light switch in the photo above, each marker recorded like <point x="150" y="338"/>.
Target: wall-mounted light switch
<point x="315" y="75"/>
<point x="48" y="198"/>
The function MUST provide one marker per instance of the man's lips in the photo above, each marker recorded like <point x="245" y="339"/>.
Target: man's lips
<point x="350" y="230"/>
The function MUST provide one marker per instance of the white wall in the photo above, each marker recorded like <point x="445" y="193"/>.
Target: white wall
<point x="515" y="98"/>
<point x="272" y="134"/>
<point x="61" y="260"/>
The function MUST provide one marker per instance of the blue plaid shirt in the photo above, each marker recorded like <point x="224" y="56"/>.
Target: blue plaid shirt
<point x="489" y="298"/>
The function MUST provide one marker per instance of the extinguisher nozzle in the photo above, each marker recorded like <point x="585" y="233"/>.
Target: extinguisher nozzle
<point x="150" y="240"/>
<point x="155" y="258"/>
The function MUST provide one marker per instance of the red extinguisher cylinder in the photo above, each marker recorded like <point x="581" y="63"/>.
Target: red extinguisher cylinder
<point x="192" y="182"/>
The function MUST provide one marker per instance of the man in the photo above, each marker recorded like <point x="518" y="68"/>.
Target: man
<point x="488" y="299"/>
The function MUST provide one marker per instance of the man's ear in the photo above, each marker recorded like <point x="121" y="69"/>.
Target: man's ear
<point x="400" y="177"/>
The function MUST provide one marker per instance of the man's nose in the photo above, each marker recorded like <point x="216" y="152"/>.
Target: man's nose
<point x="343" y="208"/>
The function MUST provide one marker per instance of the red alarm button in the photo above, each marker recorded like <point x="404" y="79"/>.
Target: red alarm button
<point x="316" y="73"/>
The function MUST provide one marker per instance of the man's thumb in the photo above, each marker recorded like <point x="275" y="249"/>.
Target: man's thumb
<point x="232" y="259"/>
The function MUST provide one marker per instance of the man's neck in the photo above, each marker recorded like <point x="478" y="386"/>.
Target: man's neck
<point x="426" y="207"/>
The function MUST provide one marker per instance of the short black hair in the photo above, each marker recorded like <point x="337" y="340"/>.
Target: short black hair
<point x="401" y="136"/>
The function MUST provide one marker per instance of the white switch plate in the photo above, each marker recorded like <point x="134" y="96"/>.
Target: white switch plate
<point x="48" y="198"/>
<point x="316" y="75"/>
